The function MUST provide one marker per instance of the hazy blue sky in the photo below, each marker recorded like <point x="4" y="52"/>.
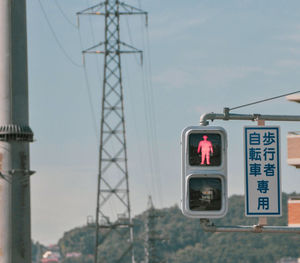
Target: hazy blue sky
<point x="205" y="55"/>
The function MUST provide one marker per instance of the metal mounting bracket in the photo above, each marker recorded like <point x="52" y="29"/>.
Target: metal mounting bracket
<point x="209" y="226"/>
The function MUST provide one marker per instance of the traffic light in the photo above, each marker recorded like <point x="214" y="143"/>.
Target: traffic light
<point x="204" y="172"/>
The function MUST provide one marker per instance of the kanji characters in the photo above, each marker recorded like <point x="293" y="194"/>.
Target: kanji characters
<point x="255" y="154"/>
<point x="269" y="169"/>
<point x="263" y="203"/>
<point x="268" y="138"/>
<point x="254" y="138"/>
<point x="269" y="154"/>
<point x="255" y="169"/>
<point x="263" y="186"/>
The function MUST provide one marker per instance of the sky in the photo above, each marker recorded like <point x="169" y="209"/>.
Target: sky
<point x="199" y="56"/>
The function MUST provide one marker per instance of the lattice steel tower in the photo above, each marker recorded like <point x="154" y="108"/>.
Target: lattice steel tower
<point x="113" y="189"/>
<point x="152" y="237"/>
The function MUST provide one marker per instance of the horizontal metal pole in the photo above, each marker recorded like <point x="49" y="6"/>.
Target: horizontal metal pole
<point x="83" y="12"/>
<point x="91" y="13"/>
<point x="210" y="227"/>
<point x="133" y="13"/>
<point x="111" y="13"/>
<point x="251" y="117"/>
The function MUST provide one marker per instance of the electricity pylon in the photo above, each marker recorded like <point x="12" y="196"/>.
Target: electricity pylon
<point x="113" y="187"/>
<point x="152" y="238"/>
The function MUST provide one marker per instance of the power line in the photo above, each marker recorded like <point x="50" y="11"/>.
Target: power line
<point x="56" y="38"/>
<point x="150" y="105"/>
<point x="94" y="41"/>
<point x="140" y="148"/>
<point x="131" y="41"/>
<point x="264" y="100"/>
<point x="88" y="88"/>
<point x="64" y="14"/>
<point x="149" y="109"/>
<point x="87" y="83"/>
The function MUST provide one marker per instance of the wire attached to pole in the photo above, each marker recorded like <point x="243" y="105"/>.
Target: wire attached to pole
<point x="260" y="101"/>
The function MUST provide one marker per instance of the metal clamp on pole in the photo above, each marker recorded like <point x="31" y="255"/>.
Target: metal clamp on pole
<point x="226" y="113"/>
<point x="209" y="226"/>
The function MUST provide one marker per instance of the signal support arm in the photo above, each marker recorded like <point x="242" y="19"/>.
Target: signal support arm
<point x="226" y="115"/>
<point x="209" y="226"/>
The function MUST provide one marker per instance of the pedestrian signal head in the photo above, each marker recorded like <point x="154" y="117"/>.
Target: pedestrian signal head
<point x="204" y="172"/>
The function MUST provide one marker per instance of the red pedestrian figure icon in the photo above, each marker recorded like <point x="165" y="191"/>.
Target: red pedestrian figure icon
<point x="206" y="149"/>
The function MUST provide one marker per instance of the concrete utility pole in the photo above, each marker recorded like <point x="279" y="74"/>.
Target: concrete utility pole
<point x="15" y="135"/>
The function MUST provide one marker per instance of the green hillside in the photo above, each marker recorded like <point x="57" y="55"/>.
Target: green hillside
<point x="186" y="242"/>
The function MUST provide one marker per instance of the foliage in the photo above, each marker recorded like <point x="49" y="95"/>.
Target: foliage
<point x="185" y="241"/>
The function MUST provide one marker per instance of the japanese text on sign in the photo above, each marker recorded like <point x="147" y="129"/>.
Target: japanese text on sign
<point x="262" y="171"/>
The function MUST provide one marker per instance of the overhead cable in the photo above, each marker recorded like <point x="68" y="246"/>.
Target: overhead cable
<point x="56" y="38"/>
<point x="150" y="115"/>
<point x="64" y="14"/>
<point x="94" y="41"/>
<point x="264" y="100"/>
<point x="153" y="117"/>
<point x="88" y="88"/>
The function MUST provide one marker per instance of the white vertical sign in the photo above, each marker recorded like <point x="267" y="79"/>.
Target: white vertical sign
<point x="262" y="171"/>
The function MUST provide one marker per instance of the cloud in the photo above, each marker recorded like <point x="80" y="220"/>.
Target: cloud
<point x="288" y="63"/>
<point x="175" y="78"/>
<point x="294" y="50"/>
<point x="224" y="76"/>
<point x="213" y="77"/>
<point x="202" y="109"/>
<point x="172" y="25"/>
<point x="291" y="49"/>
<point x="294" y="37"/>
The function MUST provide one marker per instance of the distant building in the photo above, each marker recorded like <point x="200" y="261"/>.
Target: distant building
<point x="73" y="255"/>
<point x="45" y="260"/>
<point x="294" y="211"/>
<point x="293" y="148"/>
<point x="50" y="257"/>
<point x="289" y="260"/>
<point x="294" y="97"/>
<point x="293" y="139"/>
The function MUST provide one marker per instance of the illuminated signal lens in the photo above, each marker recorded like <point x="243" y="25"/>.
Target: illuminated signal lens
<point x="205" y="149"/>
